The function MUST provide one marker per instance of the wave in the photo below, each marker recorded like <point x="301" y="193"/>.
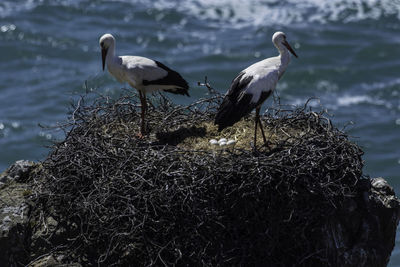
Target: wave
<point x="274" y="12"/>
<point x="10" y="7"/>
<point x="349" y="100"/>
<point x="238" y="13"/>
<point x="342" y="101"/>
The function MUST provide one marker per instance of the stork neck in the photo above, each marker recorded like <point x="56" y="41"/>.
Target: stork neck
<point x="110" y="54"/>
<point x="284" y="56"/>
<point x="284" y="53"/>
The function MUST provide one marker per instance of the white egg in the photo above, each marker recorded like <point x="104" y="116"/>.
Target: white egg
<point x="222" y="140"/>
<point x="231" y="142"/>
<point x="222" y="143"/>
<point x="213" y="142"/>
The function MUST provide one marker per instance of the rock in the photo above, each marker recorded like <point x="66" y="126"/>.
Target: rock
<point x="22" y="239"/>
<point x="382" y="188"/>
<point x="19" y="172"/>
<point x="364" y="232"/>
<point x="14" y="212"/>
<point x="52" y="260"/>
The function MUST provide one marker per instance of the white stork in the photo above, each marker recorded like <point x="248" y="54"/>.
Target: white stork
<point x="253" y="86"/>
<point x="144" y="74"/>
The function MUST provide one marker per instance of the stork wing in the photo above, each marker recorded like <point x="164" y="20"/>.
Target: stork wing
<point x="247" y="91"/>
<point x="141" y="68"/>
<point x="149" y="72"/>
<point x="172" y="78"/>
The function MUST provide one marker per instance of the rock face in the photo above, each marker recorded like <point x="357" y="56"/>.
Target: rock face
<point x="362" y="235"/>
<point x="14" y="214"/>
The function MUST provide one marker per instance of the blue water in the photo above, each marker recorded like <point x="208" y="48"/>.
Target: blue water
<point x="349" y="57"/>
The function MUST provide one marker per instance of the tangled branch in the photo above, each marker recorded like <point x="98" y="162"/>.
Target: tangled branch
<point x="149" y="202"/>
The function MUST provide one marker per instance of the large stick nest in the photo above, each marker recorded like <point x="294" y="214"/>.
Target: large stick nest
<point x="173" y="199"/>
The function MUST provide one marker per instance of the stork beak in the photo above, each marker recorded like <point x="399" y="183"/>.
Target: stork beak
<point x="103" y="56"/>
<point x="285" y="43"/>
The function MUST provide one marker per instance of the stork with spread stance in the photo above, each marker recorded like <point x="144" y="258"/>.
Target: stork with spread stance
<point x="144" y="74"/>
<point x="253" y="86"/>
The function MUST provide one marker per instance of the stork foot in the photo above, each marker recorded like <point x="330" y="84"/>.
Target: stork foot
<point x="264" y="148"/>
<point x="267" y="144"/>
<point x="140" y="135"/>
<point x="254" y="148"/>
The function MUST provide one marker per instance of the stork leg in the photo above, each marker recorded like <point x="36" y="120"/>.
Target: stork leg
<point x="258" y="121"/>
<point x="261" y="126"/>
<point x="143" y="107"/>
<point x="255" y="128"/>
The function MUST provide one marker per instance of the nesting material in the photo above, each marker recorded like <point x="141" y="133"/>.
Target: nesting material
<point x="170" y="200"/>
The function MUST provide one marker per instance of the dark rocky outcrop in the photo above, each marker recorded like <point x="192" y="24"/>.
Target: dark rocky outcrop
<point x="14" y="214"/>
<point x="22" y="233"/>
<point x="363" y="233"/>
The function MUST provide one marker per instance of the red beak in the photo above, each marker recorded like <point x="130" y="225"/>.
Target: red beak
<point x="285" y="43"/>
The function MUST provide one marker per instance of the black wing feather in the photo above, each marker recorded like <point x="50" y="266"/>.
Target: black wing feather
<point x="264" y="95"/>
<point x="236" y="103"/>
<point x="173" y="78"/>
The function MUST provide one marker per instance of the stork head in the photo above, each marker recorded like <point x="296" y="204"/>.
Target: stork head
<point x="106" y="41"/>
<point x="279" y="38"/>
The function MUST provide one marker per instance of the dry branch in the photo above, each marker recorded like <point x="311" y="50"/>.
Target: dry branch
<point x="124" y="200"/>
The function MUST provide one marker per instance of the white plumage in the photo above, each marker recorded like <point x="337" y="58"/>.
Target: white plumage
<point x="144" y="74"/>
<point x="253" y="86"/>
